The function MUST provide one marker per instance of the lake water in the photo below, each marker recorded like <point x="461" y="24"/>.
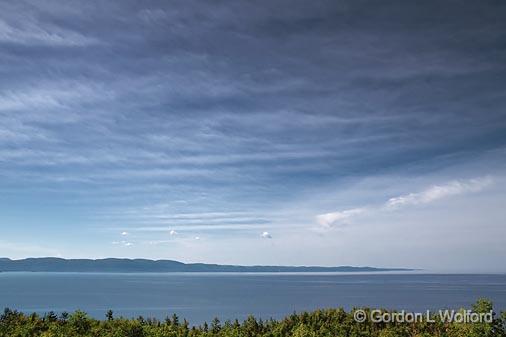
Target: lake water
<point x="201" y="297"/>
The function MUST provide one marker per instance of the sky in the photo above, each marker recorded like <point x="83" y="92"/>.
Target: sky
<point x="240" y="132"/>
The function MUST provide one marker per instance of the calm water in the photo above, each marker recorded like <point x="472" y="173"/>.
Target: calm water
<point x="200" y="297"/>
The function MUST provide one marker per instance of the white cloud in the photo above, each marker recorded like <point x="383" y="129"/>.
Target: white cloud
<point x="124" y="233"/>
<point x="173" y="233"/>
<point x="437" y="192"/>
<point x="431" y="194"/>
<point x="197" y="238"/>
<point x="123" y="243"/>
<point x="186" y="227"/>
<point x="333" y="218"/>
<point x="266" y="235"/>
<point x="32" y="32"/>
<point x="157" y="242"/>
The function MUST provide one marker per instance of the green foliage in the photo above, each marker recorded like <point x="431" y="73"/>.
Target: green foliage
<point x="320" y="323"/>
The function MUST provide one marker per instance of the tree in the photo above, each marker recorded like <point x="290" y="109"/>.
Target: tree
<point x="175" y="320"/>
<point x="215" y="326"/>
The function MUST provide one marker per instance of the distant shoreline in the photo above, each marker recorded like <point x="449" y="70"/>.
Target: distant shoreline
<point x="115" y="265"/>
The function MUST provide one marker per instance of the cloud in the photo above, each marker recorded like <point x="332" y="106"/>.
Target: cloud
<point x="172" y="232"/>
<point x="437" y="192"/>
<point x="266" y="235"/>
<point x="31" y="32"/>
<point x="190" y="227"/>
<point x="333" y="218"/>
<point x="157" y="242"/>
<point x="124" y="233"/>
<point x="122" y="243"/>
<point x="429" y="195"/>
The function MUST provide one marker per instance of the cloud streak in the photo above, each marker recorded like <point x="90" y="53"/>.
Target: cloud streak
<point x="437" y="192"/>
<point x="329" y="219"/>
<point x="427" y="196"/>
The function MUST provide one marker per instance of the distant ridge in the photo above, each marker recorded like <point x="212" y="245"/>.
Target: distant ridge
<point x="113" y="265"/>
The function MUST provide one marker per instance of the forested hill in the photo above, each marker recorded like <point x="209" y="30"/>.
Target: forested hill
<point x="112" y="265"/>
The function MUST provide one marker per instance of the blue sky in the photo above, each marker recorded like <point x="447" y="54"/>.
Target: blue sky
<point x="287" y="132"/>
